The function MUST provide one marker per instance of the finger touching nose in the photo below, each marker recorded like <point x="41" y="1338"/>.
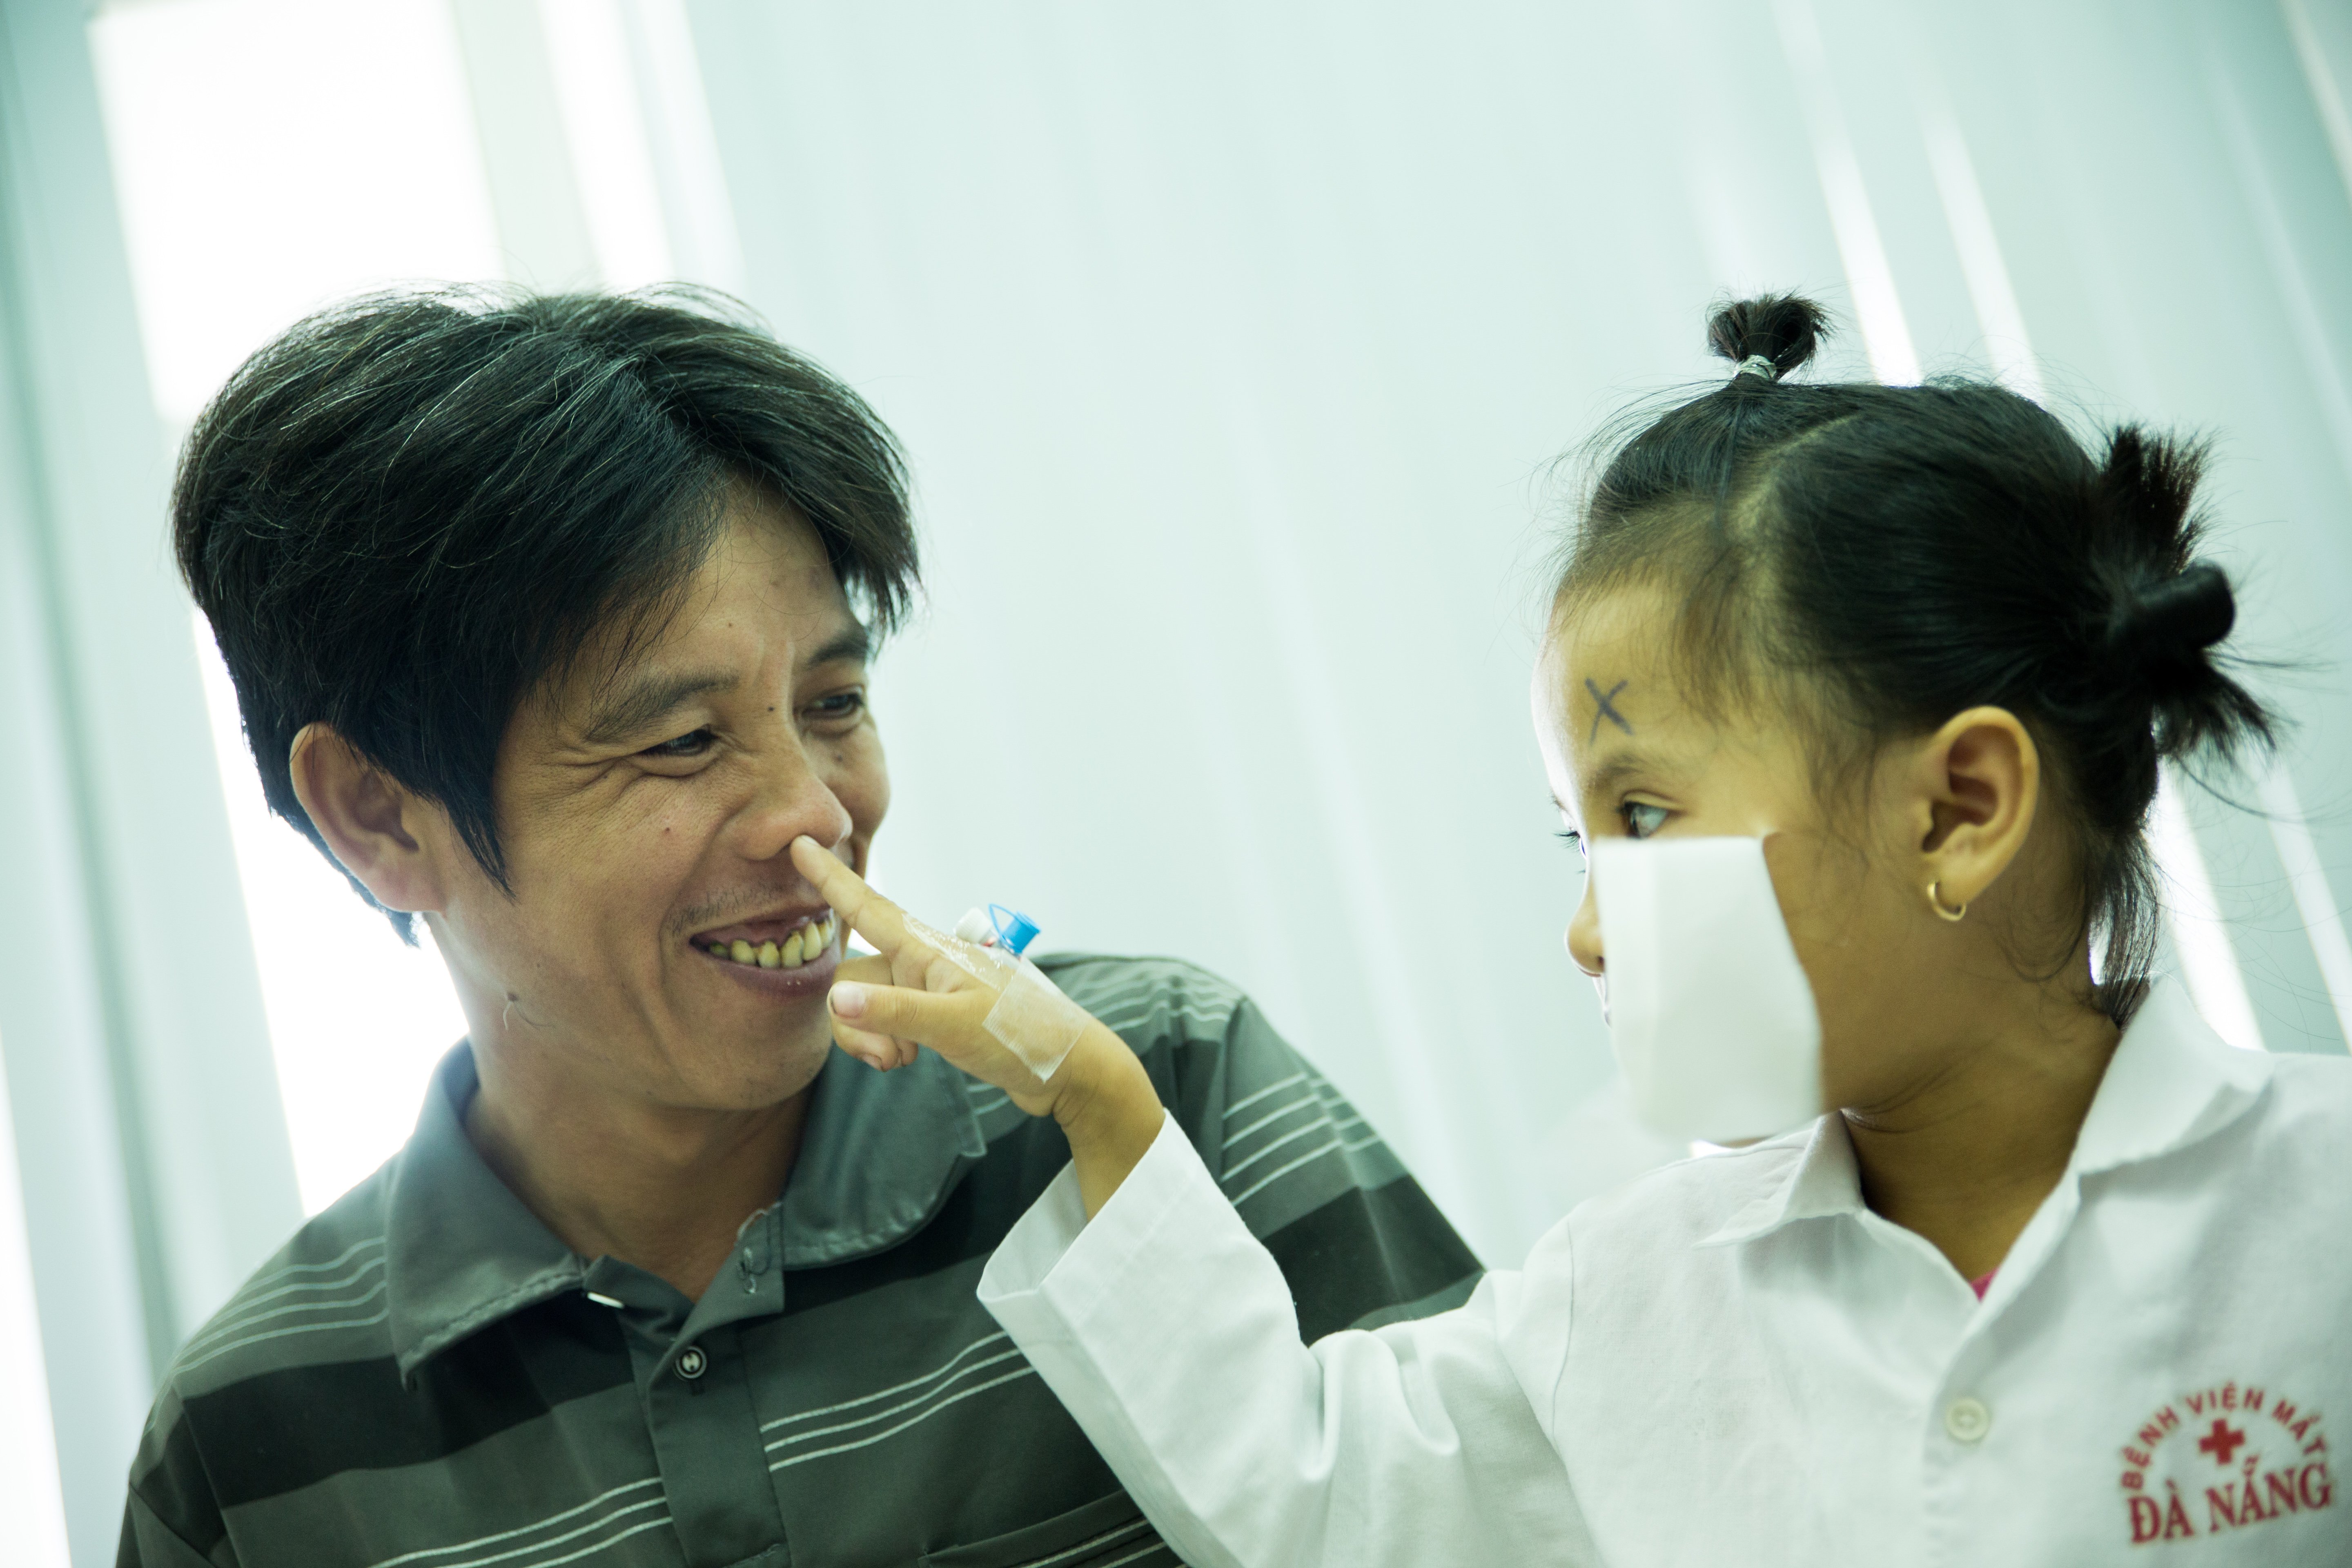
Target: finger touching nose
<point x="869" y="914"/>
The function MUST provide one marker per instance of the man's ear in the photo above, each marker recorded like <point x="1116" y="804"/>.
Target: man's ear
<point x="383" y="835"/>
<point x="1979" y="780"/>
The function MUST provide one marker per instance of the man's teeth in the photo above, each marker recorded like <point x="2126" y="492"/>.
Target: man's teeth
<point x="806" y="946"/>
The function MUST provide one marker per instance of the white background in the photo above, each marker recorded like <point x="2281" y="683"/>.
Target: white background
<point x="1232" y="344"/>
<point x="1232" y="348"/>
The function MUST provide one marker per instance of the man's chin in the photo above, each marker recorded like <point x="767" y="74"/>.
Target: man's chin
<point x="754" y="1073"/>
<point x="729" y="1046"/>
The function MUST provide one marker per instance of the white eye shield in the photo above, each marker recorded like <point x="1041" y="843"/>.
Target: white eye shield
<point x="1710" y="1013"/>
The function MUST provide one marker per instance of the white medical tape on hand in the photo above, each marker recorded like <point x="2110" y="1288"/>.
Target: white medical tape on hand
<point x="978" y="961"/>
<point x="1034" y="1021"/>
<point x="1031" y="1017"/>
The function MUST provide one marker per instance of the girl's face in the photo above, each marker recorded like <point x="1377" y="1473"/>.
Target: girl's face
<point x="1628" y="754"/>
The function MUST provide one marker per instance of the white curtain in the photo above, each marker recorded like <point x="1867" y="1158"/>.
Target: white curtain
<point x="151" y="1169"/>
<point x="1232" y="343"/>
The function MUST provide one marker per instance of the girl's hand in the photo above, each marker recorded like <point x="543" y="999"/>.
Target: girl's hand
<point x="925" y="987"/>
<point x="921" y="987"/>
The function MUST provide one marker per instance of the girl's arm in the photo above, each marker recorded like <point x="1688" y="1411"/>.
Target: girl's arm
<point x="1170" y="1332"/>
<point x="1167" y="1331"/>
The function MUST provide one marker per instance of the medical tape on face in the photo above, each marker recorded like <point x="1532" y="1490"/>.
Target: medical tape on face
<point x="1034" y="1020"/>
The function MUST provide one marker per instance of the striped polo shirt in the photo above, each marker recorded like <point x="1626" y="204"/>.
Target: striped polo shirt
<point x="426" y="1377"/>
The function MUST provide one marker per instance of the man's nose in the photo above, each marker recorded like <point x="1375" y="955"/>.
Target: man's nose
<point x="794" y="799"/>
<point x="1584" y="937"/>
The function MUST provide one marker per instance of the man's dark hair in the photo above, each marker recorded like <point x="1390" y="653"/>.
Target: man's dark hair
<point x="410" y="509"/>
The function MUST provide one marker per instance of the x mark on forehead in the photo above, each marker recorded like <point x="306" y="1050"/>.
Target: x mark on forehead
<point x="635" y="702"/>
<point x="1605" y="709"/>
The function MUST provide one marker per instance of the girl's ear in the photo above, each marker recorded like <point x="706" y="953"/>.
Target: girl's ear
<point x="383" y="835"/>
<point x="1979" y="780"/>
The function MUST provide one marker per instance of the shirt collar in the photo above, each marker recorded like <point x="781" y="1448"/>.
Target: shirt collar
<point x="879" y="1152"/>
<point x="1806" y="1174"/>
<point x="2171" y="1082"/>
<point x="460" y="1249"/>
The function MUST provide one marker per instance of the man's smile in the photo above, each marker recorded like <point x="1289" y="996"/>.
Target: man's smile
<point x="791" y="954"/>
<point x="793" y="934"/>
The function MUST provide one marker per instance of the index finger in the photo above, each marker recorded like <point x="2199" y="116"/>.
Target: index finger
<point x="869" y="914"/>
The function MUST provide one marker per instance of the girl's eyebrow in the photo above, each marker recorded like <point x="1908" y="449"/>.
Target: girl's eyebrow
<point x="1622" y="762"/>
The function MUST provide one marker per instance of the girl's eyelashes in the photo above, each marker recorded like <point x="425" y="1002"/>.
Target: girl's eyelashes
<point x="1641" y="819"/>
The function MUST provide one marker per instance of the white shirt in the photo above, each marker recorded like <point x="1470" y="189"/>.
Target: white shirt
<point x="1733" y="1360"/>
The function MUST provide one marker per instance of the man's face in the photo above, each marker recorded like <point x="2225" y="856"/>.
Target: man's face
<point x="646" y="805"/>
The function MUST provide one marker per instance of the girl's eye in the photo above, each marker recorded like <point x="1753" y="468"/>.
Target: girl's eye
<point x="1572" y="838"/>
<point x="689" y="745"/>
<point x="1643" y="819"/>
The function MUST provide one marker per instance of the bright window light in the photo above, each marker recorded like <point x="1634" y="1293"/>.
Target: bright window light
<point x="2323" y="920"/>
<point x="2325" y="96"/>
<point x="588" y="48"/>
<point x="271" y="155"/>
<point x="356" y="1018"/>
<point x="2193" y="917"/>
<point x="31" y="1499"/>
<point x="1974" y="239"/>
<point x="1885" y="330"/>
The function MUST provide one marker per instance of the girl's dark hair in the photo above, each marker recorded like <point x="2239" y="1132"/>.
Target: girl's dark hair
<point x="409" y="509"/>
<point x="1917" y="551"/>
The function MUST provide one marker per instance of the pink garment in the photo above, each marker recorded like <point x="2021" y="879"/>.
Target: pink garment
<point x="1982" y="1282"/>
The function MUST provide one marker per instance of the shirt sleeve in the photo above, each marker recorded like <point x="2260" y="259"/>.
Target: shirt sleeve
<point x="149" y="1543"/>
<point x="1357" y="1240"/>
<point x="1168" y="1331"/>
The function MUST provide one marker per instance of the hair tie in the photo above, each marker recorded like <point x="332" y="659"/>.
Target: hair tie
<point x="1757" y="365"/>
<point x="2159" y="631"/>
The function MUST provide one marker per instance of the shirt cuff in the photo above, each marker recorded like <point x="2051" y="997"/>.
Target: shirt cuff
<point x="1054" y="1267"/>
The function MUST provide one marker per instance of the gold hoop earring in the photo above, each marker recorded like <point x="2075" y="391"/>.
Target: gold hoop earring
<point x="1955" y="913"/>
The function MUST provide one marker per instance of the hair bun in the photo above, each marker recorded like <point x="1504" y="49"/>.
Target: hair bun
<point x="2163" y="627"/>
<point x="1779" y="328"/>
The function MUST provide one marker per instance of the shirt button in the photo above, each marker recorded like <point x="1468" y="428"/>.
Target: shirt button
<point x="1968" y="1419"/>
<point x="692" y="1363"/>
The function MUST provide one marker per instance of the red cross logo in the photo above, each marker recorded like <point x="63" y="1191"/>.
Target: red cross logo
<point x="2221" y="1442"/>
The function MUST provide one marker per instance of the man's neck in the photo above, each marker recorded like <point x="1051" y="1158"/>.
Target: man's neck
<point x="659" y="1188"/>
<point x="1968" y="1160"/>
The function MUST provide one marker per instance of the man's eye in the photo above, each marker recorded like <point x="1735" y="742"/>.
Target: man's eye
<point x="840" y="705"/>
<point x="1643" y="819"/>
<point x="689" y="745"/>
